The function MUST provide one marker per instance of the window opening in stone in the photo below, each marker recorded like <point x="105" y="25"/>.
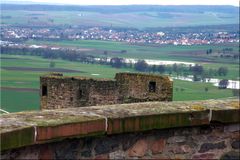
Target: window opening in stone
<point x="152" y="86"/>
<point x="44" y="90"/>
<point x="80" y="93"/>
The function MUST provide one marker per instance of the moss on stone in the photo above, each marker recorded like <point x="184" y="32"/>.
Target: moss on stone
<point x="235" y="104"/>
<point x="17" y="138"/>
<point x="198" y="107"/>
<point x="62" y="120"/>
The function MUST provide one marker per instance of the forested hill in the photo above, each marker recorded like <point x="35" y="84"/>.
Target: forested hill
<point x="125" y="8"/>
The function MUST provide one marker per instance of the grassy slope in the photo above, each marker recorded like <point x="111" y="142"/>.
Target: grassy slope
<point x="133" y="19"/>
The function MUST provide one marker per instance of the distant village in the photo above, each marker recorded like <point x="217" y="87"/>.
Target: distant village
<point x="11" y="33"/>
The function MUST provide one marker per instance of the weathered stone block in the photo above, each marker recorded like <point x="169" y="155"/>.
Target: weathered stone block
<point x="103" y="156"/>
<point x="129" y="141"/>
<point x="106" y="145"/>
<point x="117" y="155"/>
<point x="67" y="150"/>
<point x="139" y="149"/>
<point x="203" y="156"/>
<point x="86" y="148"/>
<point x="232" y="128"/>
<point x="235" y="135"/>
<point x="232" y="155"/>
<point x="176" y="139"/>
<point x="86" y="154"/>
<point x="211" y="146"/>
<point x="236" y="144"/>
<point x="182" y="149"/>
<point x="158" y="146"/>
<point x="46" y="152"/>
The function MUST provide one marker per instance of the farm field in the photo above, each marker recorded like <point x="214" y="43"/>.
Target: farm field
<point x="20" y="78"/>
<point x="21" y="85"/>
<point x="138" y="20"/>
<point x="187" y="53"/>
<point x="19" y="100"/>
<point x="195" y="54"/>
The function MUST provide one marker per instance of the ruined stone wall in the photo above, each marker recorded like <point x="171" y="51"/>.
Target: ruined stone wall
<point x="103" y="92"/>
<point x="142" y="87"/>
<point x="206" y="142"/>
<point x="65" y="92"/>
<point x="61" y="92"/>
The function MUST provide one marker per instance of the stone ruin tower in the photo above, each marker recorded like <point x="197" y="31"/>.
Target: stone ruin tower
<point x="58" y="91"/>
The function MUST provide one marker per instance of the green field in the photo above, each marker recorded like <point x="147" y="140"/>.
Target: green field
<point x="13" y="100"/>
<point x="196" y="91"/>
<point x="195" y="54"/>
<point x="30" y="79"/>
<point x="133" y="19"/>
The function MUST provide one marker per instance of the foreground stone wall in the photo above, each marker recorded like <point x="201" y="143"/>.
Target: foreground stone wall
<point x="215" y="141"/>
<point x="198" y="129"/>
<point x="58" y="91"/>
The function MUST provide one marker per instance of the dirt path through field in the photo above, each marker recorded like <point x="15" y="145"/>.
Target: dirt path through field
<point x="42" y="69"/>
<point x="20" y="89"/>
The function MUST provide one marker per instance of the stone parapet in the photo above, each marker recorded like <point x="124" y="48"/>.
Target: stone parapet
<point x="40" y="127"/>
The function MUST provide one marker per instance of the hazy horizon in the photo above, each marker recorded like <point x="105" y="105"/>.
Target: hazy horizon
<point x="129" y="2"/>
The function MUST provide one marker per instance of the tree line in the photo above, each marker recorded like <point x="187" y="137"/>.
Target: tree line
<point x="224" y="53"/>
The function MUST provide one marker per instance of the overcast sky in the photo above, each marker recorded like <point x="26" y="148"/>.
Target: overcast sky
<point x="126" y="2"/>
